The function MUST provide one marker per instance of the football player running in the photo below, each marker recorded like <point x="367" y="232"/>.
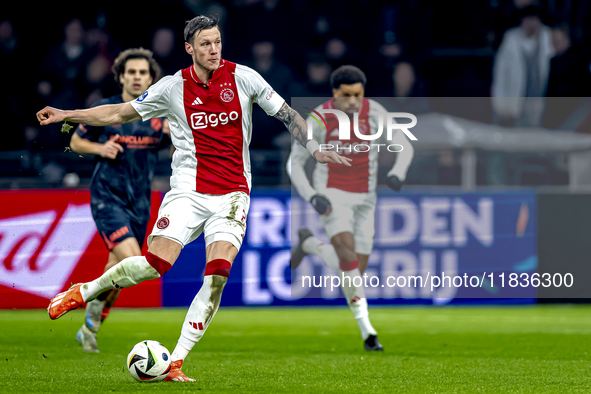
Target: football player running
<point x="346" y="198"/>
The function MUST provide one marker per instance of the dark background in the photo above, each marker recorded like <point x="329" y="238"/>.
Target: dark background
<point x="450" y="44"/>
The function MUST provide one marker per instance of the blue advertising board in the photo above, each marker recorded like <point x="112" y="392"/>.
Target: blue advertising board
<point x="478" y="238"/>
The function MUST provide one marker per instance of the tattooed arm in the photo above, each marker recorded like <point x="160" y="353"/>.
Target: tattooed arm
<point x="298" y="129"/>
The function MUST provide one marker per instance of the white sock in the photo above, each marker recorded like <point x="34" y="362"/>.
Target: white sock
<point x="128" y="272"/>
<point x="200" y="313"/>
<point x="326" y="252"/>
<point x="365" y="327"/>
<point x="357" y="302"/>
<point x="355" y="295"/>
<point x="180" y="352"/>
<point x="310" y="244"/>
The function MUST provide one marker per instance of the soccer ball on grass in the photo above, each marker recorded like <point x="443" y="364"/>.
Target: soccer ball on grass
<point x="149" y="361"/>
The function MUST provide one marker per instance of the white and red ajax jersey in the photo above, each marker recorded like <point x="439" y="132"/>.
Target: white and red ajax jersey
<point x="361" y="177"/>
<point x="210" y="125"/>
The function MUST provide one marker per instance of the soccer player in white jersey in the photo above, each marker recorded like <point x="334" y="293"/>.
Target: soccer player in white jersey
<point x="209" y="107"/>
<point x="346" y="200"/>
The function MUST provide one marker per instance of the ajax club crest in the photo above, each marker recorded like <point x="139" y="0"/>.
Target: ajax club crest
<point x="163" y="222"/>
<point x="227" y="95"/>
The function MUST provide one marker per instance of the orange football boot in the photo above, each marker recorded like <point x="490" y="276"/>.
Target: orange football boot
<point x="176" y="375"/>
<point x="65" y="302"/>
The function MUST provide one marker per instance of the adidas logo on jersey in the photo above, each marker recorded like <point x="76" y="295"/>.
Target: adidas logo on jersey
<point x="197" y="101"/>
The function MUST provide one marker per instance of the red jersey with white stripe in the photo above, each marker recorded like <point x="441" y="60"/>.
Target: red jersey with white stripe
<point x="361" y="177"/>
<point x="354" y="179"/>
<point x="211" y="125"/>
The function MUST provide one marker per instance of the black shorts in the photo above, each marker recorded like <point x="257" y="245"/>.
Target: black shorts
<point x="116" y="224"/>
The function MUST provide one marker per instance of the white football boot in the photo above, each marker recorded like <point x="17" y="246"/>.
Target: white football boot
<point x="87" y="339"/>
<point x="92" y="322"/>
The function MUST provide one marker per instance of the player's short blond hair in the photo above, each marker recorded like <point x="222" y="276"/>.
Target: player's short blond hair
<point x="136" y="53"/>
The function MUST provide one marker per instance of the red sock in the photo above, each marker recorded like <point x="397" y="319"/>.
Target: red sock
<point x="105" y="313"/>
<point x="348" y="265"/>
<point x="160" y="265"/>
<point x="219" y="267"/>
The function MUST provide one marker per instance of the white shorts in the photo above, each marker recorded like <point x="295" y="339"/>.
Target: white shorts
<point x="184" y="215"/>
<point x="354" y="213"/>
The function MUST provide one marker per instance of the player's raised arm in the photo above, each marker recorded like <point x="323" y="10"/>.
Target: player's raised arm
<point x="298" y="128"/>
<point x="104" y="115"/>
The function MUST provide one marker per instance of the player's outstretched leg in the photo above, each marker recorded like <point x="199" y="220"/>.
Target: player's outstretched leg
<point x="355" y="295"/>
<point x="200" y="314"/>
<point x="127" y="273"/>
<point x="98" y="309"/>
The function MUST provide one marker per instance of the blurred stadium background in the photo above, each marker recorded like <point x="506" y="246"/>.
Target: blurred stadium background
<point x="439" y="60"/>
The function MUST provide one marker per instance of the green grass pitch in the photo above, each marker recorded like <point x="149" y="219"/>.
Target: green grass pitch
<point x="533" y="349"/>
